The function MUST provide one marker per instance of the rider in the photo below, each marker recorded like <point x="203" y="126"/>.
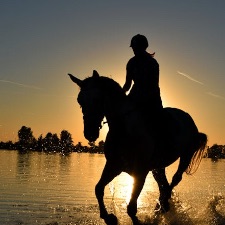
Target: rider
<point x="143" y="71"/>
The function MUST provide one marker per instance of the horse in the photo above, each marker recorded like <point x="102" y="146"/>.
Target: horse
<point x="131" y="144"/>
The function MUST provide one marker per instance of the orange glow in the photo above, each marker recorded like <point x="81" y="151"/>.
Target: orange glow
<point x="124" y="186"/>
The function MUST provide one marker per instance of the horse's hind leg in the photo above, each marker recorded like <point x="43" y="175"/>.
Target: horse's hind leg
<point x="109" y="173"/>
<point x="164" y="189"/>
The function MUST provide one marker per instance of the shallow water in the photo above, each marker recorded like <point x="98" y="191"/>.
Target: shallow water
<point x="54" y="189"/>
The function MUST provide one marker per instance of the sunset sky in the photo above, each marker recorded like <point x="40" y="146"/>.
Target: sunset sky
<point x="41" y="41"/>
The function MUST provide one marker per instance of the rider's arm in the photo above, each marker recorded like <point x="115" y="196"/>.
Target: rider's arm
<point x="128" y="83"/>
<point x="128" y="80"/>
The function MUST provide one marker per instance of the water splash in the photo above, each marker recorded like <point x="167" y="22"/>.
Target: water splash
<point x="215" y="210"/>
<point x="181" y="213"/>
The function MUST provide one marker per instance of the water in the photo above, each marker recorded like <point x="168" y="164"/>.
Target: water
<point x="54" y="189"/>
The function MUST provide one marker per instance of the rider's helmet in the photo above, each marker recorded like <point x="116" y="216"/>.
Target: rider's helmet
<point x="139" y="41"/>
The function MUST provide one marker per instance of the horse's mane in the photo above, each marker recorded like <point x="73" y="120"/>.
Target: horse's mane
<point x="106" y="84"/>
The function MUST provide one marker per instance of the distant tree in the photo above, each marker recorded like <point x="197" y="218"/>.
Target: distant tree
<point x="2" y="145"/>
<point x="26" y="139"/>
<point x="55" y="143"/>
<point x="101" y="146"/>
<point x="66" y="141"/>
<point x="78" y="147"/>
<point x="9" y="145"/>
<point x="50" y="143"/>
<point x="223" y="151"/>
<point x="216" y="152"/>
<point x="47" y="142"/>
<point x="93" y="148"/>
<point x="40" y="145"/>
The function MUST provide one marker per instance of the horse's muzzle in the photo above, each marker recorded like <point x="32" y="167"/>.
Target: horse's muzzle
<point x="91" y="134"/>
<point x="92" y="126"/>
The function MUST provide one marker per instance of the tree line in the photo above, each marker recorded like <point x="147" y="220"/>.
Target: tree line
<point x="64" y="144"/>
<point x="216" y="152"/>
<point x="49" y="143"/>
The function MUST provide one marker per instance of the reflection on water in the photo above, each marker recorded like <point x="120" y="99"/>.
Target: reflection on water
<point x="38" y="188"/>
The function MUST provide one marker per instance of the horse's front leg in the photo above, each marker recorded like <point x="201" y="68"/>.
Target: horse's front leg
<point x="109" y="173"/>
<point x="139" y="181"/>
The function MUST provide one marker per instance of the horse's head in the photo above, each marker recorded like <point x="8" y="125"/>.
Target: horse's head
<point x="91" y="100"/>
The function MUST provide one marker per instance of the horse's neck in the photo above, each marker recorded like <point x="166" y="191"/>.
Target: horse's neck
<point x="118" y="112"/>
<point x="113" y="109"/>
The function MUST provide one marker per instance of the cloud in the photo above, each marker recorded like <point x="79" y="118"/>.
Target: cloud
<point x="215" y="95"/>
<point x="19" y="84"/>
<point x="189" y="77"/>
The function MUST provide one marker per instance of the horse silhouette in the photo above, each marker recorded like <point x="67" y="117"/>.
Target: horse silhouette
<point x="132" y="145"/>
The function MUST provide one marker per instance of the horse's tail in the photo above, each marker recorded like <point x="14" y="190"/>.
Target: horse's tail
<point x="200" y="147"/>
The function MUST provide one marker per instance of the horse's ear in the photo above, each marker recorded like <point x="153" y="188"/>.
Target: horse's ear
<point x="75" y="80"/>
<point x="95" y="74"/>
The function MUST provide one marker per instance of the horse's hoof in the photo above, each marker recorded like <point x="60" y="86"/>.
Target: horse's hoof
<point x="163" y="207"/>
<point x="136" y="221"/>
<point x="132" y="209"/>
<point x="111" y="219"/>
<point x="157" y="207"/>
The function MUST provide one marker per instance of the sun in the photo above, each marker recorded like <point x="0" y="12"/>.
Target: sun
<point x="121" y="187"/>
<point x="127" y="187"/>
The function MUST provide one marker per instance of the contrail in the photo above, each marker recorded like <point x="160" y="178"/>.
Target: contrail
<point x="215" y="95"/>
<point x="19" y="84"/>
<point x="209" y="93"/>
<point x="190" y="78"/>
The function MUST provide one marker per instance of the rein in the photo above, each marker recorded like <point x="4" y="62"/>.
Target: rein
<point x="102" y="124"/>
<point x="123" y="114"/>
